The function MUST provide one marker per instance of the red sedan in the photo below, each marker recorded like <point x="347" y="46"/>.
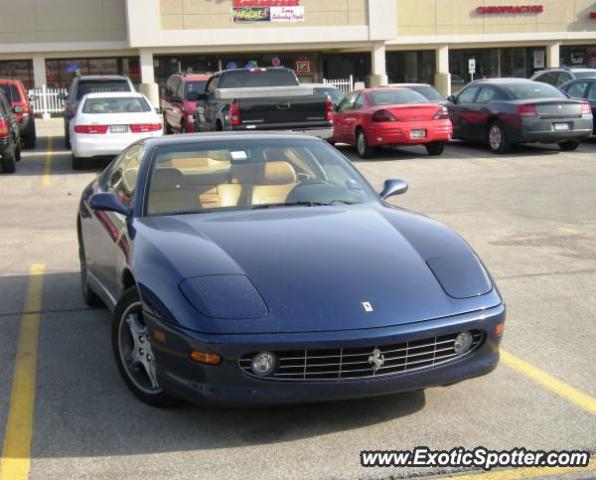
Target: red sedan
<point x="374" y="117"/>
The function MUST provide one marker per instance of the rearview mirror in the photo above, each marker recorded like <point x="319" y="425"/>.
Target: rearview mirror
<point x="393" y="187"/>
<point x="451" y="98"/>
<point x="108" y="202"/>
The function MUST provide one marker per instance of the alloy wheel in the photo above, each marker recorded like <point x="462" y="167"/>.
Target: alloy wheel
<point x="495" y="137"/>
<point x="135" y="350"/>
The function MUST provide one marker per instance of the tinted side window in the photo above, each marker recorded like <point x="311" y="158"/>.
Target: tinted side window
<point x="548" y="77"/>
<point x="359" y="103"/>
<point x="123" y="177"/>
<point x="563" y="77"/>
<point x="577" y="89"/>
<point x="212" y="85"/>
<point x="467" y="96"/>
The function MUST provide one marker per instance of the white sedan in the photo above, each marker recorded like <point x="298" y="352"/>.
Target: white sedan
<point x="107" y="123"/>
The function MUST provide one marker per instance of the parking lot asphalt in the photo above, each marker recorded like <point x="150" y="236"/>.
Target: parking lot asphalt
<point x="530" y="215"/>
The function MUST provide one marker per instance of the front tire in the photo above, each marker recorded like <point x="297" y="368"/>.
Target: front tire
<point x="133" y="353"/>
<point x="30" y="139"/>
<point x="362" y="145"/>
<point x="497" y="138"/>
<point x="435" y="148"/>
<point x="569" y="145"/>
<point x="8" y="162"/>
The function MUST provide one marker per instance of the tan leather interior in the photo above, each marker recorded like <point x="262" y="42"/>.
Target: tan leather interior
<point x="182" y="185"/>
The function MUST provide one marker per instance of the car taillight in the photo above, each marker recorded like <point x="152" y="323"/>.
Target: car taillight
<point x="442" y="114"/>
<point x="384" y="116"/>
<point x="235" y="113"/>
<point x="527" y="110"/>
<point x="586" y="109"/>
<point x="329" y="109"/>
<point x="3" y="128"/>
<point x="91" y="129"/>
<point x="145" y="127"/>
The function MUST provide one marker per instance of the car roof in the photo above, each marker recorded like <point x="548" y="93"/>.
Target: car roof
<point x="194" y="76"/>
<point x="406" y="85"/>
<point x="10" y="81"/>
<point x="501" y="81"/>
<point x="225" y="136"/>
<point x="114" y="94"/>
<point x="91" y="78"/>
<point x="318" y="85"/>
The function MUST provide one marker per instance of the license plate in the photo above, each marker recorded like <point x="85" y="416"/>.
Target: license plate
<point x="560" y="126"/>
<point x="119" y="129"/>
<point x="417" y="133"/>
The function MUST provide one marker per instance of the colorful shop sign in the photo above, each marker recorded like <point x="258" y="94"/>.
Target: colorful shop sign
<point x="510" y="9"/>
<point x="268" y="14"/>
<point x="265" y="3"/>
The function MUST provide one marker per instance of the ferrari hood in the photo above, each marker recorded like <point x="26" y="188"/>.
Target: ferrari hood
<point x="321" y="268"/>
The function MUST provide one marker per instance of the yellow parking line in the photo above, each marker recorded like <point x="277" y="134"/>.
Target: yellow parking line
<point x="551" y="383"/>
<point x="15" y="461"/>
<point x="530" y="472"/>
<point x="48" y="164"/>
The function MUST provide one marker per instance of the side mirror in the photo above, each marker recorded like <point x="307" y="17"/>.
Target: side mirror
<point x="393" y="187"/>
<point x="176" y="99"/>
<point x="451" y="98"/>
<point x="108" y="202"/>
<point x="32" y="98"/>
<point x="62" y="96"/>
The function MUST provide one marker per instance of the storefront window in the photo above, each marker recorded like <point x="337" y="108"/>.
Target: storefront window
<point x="411" y="67"/>
<point x="18" y="69"/>
<point x="495" y="63"/>
<point x="578" y="55"/>
<point x="61" y="72"/>
<point x="306" y="65"/>
<point x="345" y="64"/>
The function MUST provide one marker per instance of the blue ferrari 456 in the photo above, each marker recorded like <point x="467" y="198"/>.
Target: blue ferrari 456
<point x="262" y="268"/>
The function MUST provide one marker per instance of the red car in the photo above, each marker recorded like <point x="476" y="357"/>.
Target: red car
<point x="19" y="100"/>
<point x="374" y="117"/>
<point x="179" y="101"/>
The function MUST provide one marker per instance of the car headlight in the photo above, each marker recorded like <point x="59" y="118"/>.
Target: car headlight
<point x="224" y="296"/>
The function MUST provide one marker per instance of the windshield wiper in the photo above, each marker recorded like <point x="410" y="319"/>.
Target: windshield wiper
<point x="300" y="204"/>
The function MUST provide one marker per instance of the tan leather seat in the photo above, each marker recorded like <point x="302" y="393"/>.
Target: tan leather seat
<point x="170" y="193"/>
<point x="258" y="183"/>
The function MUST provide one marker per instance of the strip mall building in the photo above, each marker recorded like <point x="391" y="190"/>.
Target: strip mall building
<point x="376" y="41"/>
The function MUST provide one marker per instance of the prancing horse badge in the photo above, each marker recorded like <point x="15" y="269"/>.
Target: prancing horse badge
<point x="367" y="306"/>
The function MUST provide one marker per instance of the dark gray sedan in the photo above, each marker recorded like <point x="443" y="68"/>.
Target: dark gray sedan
<point x="582" y="88"/>
<point x="507" y="111"/>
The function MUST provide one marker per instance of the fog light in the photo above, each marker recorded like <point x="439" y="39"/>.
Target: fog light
<point x="263" y="364"/>
<point x="463" y="342"/>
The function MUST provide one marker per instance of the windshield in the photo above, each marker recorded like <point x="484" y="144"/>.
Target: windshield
<point x="100" y="86"/>
<point x="428" y="92"/>
<point x="252" y="173"/>
<point x="257" y="78"/>
<point x="11" y="92"/>
<point x="396" y="97"/>
<point x="585" y="74"/>
<point x="116" y="105"/>
<point x="523" y="91"/>
<point x="198" y="86"/>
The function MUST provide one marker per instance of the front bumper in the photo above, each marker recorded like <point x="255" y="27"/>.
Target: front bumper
<point x="543" y="130"/>
<point x="400" y="133"/>
<point x="226" y="384"/>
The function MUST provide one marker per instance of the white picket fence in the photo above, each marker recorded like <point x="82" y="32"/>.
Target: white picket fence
<point x="346" y="85"/>
<point x="46" y="101"/>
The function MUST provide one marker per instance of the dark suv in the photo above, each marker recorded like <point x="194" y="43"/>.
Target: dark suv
<point x="179" y="101"/>
<point x="10" y="141"/>
<point x="19" y="101"/>
<point x="83" y="85"/>
<point x="559" y="76"/>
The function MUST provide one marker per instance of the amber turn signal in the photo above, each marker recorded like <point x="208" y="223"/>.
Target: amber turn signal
<point x="499" y="329"/>
<point x="159" y="336"/>
<point x="207" y="358"/>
